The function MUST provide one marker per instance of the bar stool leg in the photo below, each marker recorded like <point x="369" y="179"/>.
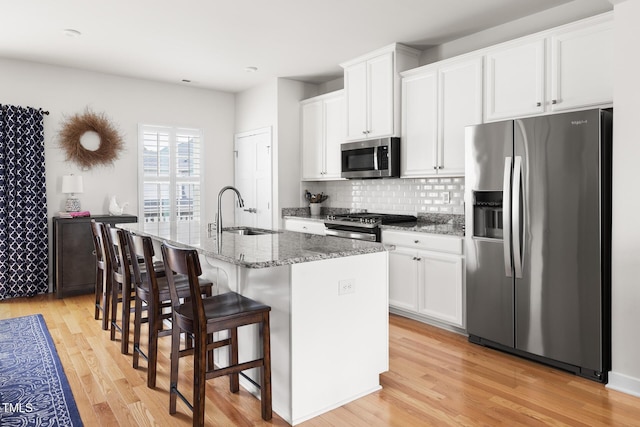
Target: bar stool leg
<point x="199" y="378"/>
<point x="137" y="322"/>
<point x="175" y="356"/>
<point x="265" y="387"/>
<point x="99" y="288"/>
<point x="126" y="318"/>
<point x="234" y="379"/>
<point x="114" y="309"/>
<point x="155" y="319"/>
<point x="106" y="304"/>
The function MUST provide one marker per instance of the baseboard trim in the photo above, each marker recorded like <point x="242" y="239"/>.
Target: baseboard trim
<point x="624" y="383"/>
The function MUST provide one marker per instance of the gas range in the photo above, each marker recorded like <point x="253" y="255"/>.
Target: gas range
<point x="362" y="226"/>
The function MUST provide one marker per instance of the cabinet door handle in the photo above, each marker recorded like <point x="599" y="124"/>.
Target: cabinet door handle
<point x="416" y="241"/>
<point x="538" y="104"/>
<point x="418" y="259"/>
<point x="554" y="101"/>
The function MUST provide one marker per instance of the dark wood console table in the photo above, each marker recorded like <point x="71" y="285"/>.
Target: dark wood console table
<point x="74" y="261"/>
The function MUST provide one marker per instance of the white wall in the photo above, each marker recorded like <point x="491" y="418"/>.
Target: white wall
<point x="257" y="107"/>
<point x="275" y="104"/>
<point x="127" y="102"/>
<point x="625" y="374"/>
<point x="290" y="93"/>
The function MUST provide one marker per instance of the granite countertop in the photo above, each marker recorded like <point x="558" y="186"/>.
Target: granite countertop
<point x="307" y="217"/>
<point x="425" y="227"/>
<point x="448" y="224"/>
<point x="264" y="250"/>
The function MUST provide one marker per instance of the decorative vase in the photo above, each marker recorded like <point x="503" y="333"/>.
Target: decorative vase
<point x="315" y="208"/>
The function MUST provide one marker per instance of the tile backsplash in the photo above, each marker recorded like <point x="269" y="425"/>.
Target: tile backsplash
<point x="390" y="195"/>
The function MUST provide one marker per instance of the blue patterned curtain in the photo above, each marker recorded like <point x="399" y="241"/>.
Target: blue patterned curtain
<point x="23" y="203"/>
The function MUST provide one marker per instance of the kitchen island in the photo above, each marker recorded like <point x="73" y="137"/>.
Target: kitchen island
<point x="329" y="318"/>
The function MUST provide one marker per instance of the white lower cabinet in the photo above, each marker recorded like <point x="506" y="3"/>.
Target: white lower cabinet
<point x="426" y="277"/>
<point x="440" y="290"/>
<point x="305" y="226"/>
<point x="403" y="279"/>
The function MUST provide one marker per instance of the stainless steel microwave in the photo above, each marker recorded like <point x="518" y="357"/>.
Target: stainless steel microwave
<point x="372" y="158"/>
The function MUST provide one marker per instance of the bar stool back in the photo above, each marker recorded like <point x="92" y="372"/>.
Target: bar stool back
<point x="153" y="292"/>
<point x="201" y="317"/>
<point x="121" y="290"/>
<point x="103" y="274"/>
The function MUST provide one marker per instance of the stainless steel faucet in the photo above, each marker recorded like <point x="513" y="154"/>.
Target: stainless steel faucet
<point x="219" y="214"/>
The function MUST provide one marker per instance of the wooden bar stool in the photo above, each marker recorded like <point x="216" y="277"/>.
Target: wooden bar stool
<point x="103" y="274"/>
<point x="201" y="317"/>
<point x="153" y="291"/>
<point x="121" y="290"/>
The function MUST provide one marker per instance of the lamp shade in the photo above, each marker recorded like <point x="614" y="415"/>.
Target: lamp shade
<point x="72" y="184"/>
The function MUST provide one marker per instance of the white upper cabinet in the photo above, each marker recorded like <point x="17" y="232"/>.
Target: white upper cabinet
<point x="582" y="65"/>
<point x="419" y="140"/>
<point x="566" y="68"/>
<point x="335" y="131"/>
<point x="514" y="80"/>
<point x="438" y="101"/>
<point x="459" y="105"/>
<point x="323" y="130"/>
<point x="372" y="86"/>
<point x="355" y="82"/>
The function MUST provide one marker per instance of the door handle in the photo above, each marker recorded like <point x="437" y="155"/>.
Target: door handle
<point x="518" y="238"/>
<point x="251" y="210"/>
<point x="375" y="158"/>
<point x="506" y="213"/>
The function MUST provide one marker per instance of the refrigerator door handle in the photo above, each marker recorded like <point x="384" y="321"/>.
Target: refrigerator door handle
<point x="506" y="213"/>
<point x="518" y="238"/>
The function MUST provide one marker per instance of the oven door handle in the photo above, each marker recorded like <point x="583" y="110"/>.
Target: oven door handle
<point x="350" y="234"/>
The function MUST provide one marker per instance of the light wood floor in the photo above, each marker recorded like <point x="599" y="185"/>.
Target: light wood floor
<point x="435" y="378"/>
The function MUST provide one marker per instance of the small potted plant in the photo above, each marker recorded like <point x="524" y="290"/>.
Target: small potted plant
<point x="314" y="201"/>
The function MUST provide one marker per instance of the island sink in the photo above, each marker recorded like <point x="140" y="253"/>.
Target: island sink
<point x="248" y="231"/>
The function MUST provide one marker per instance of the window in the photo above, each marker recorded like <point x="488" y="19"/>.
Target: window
<point x="170" y="179"/>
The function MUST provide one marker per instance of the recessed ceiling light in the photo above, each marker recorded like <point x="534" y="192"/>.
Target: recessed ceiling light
<point x="69" y="32"/>
<point x="250" y="69"/>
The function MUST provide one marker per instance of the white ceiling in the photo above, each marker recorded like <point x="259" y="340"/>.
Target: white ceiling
<point x="210" y="42"/>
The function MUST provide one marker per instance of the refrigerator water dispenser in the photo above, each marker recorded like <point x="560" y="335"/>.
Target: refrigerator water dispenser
<point x="487" y="214"/>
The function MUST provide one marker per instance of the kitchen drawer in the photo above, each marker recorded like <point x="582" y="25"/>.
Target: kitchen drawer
<point x="305" y="226"/>
<point x="423" y="241"/>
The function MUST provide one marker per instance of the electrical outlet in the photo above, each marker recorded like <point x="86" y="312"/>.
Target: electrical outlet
<point x="445" y="197"/>
<point x="346" y="286"/>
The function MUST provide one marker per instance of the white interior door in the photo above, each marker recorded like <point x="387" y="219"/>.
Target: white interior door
<point x="253" y="178"/>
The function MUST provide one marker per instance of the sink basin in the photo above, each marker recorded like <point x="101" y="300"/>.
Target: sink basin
<point x="248" y="231"/>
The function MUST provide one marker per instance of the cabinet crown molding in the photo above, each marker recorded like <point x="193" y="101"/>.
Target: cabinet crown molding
<point x="393" y="47"/>
<point x="323" y="96"/>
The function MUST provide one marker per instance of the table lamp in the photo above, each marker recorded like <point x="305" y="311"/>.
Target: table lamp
<point x="72" y="184"/>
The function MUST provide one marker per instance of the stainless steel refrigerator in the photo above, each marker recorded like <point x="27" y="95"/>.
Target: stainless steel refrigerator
<point x="537" y="241"/>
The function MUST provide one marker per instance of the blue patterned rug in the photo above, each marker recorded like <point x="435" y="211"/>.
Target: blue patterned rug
<point x="34" y="390"/>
